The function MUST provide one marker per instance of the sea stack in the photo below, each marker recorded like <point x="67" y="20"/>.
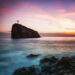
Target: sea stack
<point x="20" y="31"/>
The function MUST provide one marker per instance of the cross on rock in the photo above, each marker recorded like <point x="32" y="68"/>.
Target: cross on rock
<point x="18" y="21"/>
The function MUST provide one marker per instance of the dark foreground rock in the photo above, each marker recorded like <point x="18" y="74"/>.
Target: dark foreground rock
<point x="19" y="31"/>
<point x="27" y="71"/>
<point x="49" y="60"/>
<point x="33" y="55"/>
<point x="63" y="66"/>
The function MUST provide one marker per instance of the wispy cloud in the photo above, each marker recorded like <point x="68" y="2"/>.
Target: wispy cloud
<point x="61" y="10"/>
<point x="68" y="14"/>
<point x="47" y="16"/>
<point x="6" y="10"/>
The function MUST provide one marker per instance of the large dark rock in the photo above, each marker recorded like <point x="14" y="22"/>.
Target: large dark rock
<point x="19" y="31"/>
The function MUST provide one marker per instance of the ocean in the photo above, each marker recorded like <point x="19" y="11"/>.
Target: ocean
<point x="13" y="52"/>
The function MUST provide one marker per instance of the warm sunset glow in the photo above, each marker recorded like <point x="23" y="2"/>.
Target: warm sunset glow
<point x="69" y="33"/>
<point x="45" y="16"/>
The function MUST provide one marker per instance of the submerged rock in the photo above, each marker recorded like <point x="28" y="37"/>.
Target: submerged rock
<point x="32" y="55"/>
<point x="20" y="31"/>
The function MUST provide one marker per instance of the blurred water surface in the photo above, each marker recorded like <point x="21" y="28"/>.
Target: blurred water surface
<point x="13" y="52"/>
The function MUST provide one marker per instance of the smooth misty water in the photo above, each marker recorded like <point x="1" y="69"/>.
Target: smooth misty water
<point x="13" y="52"/>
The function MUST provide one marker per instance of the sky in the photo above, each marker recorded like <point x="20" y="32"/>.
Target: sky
<point x="44" y="16"/>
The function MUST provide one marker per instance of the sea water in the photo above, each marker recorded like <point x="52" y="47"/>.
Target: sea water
<point x="13" y="52"/>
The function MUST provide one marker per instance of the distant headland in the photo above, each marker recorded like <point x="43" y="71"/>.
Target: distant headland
<point x="20" y="31"/>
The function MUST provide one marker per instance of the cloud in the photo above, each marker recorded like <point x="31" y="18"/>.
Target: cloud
<point x="6" y="10"/>
<point x="61" y="10"/>
<point x="68" y="14"/>
<point x="32" y="14"/>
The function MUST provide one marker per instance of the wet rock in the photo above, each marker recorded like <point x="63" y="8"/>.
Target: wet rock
<point x="72" y="63"/>
<point x="44" y="60"/>
<point x="49" y="60"/>
<point x="20" y="31"/>
<point x="22" y="71"/>
<point x="64" y="66"/>
<point x="27" y="71"/>
<point x="33" y="55"/>
<point x="46" y="70"/>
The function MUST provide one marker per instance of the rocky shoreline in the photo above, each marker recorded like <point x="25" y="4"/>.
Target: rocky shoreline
<point x="50" y="66"/>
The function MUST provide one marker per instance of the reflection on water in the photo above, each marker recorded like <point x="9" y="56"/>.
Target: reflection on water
<point x="13" y="52"/>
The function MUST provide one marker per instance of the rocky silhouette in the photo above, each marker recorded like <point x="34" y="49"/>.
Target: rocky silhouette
<point x="33" y="55"/>
<point x="50" y="66"/>
<point x="20" y="31"/>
